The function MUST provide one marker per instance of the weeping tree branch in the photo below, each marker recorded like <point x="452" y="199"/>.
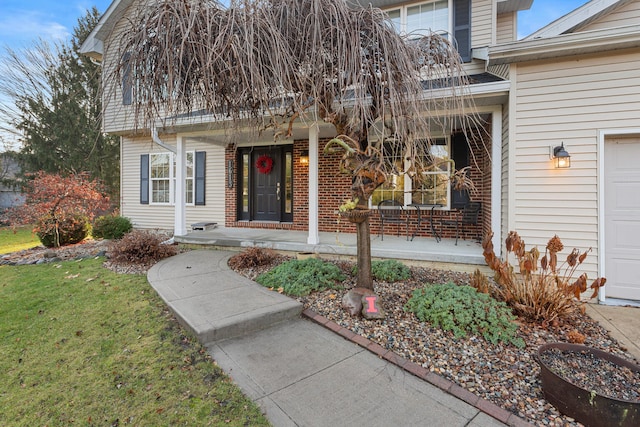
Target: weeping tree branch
<point x="265" y="64"/>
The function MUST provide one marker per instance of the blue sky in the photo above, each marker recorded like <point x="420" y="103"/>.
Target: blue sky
<point x="23" y="21"/>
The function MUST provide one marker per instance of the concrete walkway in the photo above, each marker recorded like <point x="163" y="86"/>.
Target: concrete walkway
<point x="302" y="373"/>
<point x="308" y="371"/>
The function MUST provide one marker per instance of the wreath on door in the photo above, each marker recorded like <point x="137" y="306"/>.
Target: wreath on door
<point x="264" y="164"/>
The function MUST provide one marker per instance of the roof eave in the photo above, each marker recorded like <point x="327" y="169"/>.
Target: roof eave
<point x="566" y="45"/>
<point x="93" y="46"/>
<point x="573" y="19"/>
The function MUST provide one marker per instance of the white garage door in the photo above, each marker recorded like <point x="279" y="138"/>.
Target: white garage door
<point x="622" y="217"/>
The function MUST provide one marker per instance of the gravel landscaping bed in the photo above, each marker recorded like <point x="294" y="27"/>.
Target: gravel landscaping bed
<point x="503" y="374"/>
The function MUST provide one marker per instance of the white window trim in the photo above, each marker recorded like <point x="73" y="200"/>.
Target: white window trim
<point x="172" y="179"/>
<point x="403" y="15"/>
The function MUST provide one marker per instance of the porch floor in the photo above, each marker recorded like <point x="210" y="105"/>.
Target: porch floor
<point x="466" y="256"/>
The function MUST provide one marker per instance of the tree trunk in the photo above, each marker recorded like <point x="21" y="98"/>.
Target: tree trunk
<point x="365" y="280"/>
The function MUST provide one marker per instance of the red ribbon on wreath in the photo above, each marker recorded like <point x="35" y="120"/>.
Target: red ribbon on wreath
<point x="264" y="164"/>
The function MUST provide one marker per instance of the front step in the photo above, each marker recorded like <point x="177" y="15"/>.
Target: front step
<point x="214" y="302"/>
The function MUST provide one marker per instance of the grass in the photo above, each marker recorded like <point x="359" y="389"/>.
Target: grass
<point x="16" y="240"/>
<point x="82" y="345"/>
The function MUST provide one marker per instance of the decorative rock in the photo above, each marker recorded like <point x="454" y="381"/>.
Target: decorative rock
<point x="49" y="254"/>
<point x="371" y="307"/>
<point x="352" y="300"/>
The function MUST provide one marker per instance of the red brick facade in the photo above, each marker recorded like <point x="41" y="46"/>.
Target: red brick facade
<point x="334" y="189"/>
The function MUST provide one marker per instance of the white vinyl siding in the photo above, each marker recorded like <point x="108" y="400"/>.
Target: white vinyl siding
<point x="567" y="102"/>
<point x="506" y="28"/>
<point x="161" y="216"/>
<point x="628" y="14"/>
<point x="482" y="24"/>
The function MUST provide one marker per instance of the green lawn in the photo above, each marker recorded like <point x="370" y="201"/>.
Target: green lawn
<point x="80" y="345"/>
<point x="16" y="240"/>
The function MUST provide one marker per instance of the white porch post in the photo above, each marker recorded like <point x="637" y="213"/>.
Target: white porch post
<point x="313" y="237"/>
<point x="496" y="179"/>
<point x="180" y="226"/>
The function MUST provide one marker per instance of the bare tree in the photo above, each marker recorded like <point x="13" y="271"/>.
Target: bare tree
<point x="266" y="64"/>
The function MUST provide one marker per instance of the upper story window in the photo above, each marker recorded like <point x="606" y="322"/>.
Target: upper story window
<point x="450" y="18"/>
<point x="421" y="18"/>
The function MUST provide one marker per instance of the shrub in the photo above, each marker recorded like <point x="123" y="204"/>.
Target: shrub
<point x="140" y="247"/>
<point x="67" y="231"/>
<point x="111" y="227"/>
<point x="539" y="292"/>
<point x="301" y="277"/>
<point x="253" y="257"/>
<point x="462" y="309"/>
<point x="389" y="270"/>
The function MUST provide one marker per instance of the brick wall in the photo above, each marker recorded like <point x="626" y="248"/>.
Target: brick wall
<point x="334" y="189"/>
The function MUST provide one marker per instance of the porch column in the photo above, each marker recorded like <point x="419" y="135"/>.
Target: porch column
<point x="179" y="225"/>
<point x="313" y="237"/>
<point x="496" y="178"/>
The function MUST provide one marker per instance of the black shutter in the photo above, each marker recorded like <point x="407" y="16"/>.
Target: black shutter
<point x="200" y="173"/>
<point x="462" y="27"/>
<point x="460" y="156"/>
<point x="144" y="179"/>
<point x="127" y="86"/>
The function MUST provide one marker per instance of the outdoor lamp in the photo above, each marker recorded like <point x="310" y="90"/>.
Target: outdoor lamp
<point x="304" y="157"/>
<point x="561" y="157"/>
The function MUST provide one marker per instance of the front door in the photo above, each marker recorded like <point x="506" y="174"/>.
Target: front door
<point x="267" y="184"/>
<point x="265" y="192"/>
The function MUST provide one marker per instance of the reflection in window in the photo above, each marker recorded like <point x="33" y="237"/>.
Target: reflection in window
<point x="432" y="186"/>
<point x="394" y="186"/>
<point x="245" y="183"/>
<point x="421" y="18"/>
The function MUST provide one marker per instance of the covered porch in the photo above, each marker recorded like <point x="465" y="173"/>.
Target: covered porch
<point x="445" y="254"/>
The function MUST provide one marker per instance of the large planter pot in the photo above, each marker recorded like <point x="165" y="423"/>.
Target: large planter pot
<point x="587" y="406"/>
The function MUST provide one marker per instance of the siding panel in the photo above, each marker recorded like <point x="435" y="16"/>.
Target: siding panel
<point x="568" y="101"/>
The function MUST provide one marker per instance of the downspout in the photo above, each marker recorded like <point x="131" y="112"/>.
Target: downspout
<point x="157" y="140"/>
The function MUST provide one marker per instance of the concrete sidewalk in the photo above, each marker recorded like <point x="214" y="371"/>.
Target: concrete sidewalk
<point x="302" y="373"/>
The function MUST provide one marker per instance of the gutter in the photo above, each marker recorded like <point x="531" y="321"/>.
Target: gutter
<point x="564" y="45"/>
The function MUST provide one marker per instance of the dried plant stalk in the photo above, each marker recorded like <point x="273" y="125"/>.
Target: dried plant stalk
<point x="539" y="292"/>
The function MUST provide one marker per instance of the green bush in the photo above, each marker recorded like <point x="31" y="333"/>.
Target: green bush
<point x="301" y="277"/>
<point x="140" y="247"/>
<point x="389" y="270"/>
<point x="111" y="227"/>
<point x="462" y="309"/>
<point x="71" y="229"/>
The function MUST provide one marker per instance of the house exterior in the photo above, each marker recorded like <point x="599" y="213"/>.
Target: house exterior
<point x="573" y="83"/>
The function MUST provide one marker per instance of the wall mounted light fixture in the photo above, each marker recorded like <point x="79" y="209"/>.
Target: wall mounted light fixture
<point x="561" y="157"/>
<point x="304" y="157"/>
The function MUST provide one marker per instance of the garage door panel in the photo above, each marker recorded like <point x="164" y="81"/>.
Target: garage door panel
<point x="624" y="235"/>
<point x="622" y="279"/>
<point x="622" y="218"/>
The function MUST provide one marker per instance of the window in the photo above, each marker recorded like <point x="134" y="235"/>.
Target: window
<point x="189" y="179"/>
<point x="160" y="174"/>
<point x="417" y="19"/>
<point x="394" y="186"/>
<point x="432" y="187"/>
<point x="445" y="17"/>
<point x="162" y="178"/>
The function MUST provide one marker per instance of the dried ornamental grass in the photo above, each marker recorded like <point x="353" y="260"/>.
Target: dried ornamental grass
<point x="541" y="290"/>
